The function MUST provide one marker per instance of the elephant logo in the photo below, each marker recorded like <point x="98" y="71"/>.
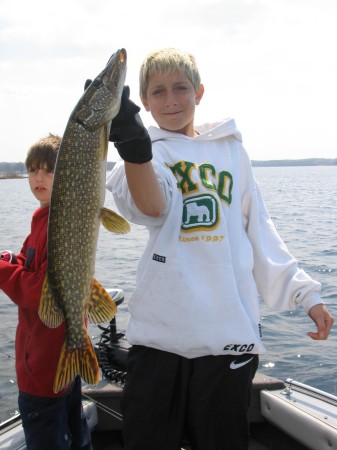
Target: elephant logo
<point x="200" y="212"/>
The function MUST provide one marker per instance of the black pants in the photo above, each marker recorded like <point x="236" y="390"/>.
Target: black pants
<point x="168" y="397"/>
<point x="55" y="423"/>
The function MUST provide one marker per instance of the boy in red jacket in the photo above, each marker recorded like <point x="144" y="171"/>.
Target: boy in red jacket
<point x="50" y="421"/>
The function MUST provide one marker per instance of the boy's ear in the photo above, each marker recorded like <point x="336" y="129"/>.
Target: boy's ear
<point x="199" y="93"/>
<point x="145" y="103"/>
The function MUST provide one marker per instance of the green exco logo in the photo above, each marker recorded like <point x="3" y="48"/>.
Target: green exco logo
<point x="200" y="212"/>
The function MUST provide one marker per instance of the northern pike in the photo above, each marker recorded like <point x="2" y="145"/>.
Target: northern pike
<point x="69" y="291"/>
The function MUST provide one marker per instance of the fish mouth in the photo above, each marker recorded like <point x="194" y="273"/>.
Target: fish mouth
<point x="103" y="94"/>
<point x="119" y="55"/>
<point x="122" y="54"/>
<point x="115" y="70"/>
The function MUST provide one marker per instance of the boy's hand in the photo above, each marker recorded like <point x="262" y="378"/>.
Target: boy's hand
<point x="323" y="320"/>
<point x="128" y="133"/>
<point x="87" y="84"/>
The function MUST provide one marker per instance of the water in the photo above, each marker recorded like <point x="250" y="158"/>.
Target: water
<point x="302" y="203"/>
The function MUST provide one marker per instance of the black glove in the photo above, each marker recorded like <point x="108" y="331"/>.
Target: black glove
<point x="87" y="84"/>
<point x="128" y="133"/>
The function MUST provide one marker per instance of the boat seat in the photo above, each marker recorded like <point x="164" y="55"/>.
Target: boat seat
<point x="14" y="437"/>
<point x="310" y="421"/>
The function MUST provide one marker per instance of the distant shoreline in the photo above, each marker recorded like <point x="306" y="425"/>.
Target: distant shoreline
<point x="15" y="170"/>
<point x="295" y="162"/>
<point x="11" y="176"/>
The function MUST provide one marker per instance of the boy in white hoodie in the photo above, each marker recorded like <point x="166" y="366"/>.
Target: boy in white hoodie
<point x="212" y="250"/>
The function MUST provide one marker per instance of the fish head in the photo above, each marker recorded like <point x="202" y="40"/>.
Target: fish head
<point x="101" y="101"/>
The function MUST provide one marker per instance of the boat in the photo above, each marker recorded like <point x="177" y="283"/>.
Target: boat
<point x="284" y="415"/>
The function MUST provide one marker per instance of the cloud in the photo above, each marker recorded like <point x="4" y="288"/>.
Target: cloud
<point x="270" y="64"/>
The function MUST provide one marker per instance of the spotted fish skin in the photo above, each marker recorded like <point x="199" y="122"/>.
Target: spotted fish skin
<point x="70" y="293"/>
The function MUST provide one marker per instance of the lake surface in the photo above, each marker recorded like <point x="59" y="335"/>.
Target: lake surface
<point x="302" y="203"/>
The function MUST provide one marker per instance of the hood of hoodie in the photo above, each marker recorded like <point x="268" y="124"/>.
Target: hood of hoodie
<point x="207" y="132"/>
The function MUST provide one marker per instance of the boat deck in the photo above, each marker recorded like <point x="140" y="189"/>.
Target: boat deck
<point x="264" y="436"/>
<point x="298" y="417"/>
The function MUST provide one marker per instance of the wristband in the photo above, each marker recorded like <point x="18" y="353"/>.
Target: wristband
<point x="8" y="256"/>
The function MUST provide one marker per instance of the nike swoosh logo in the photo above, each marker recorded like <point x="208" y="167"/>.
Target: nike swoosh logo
<point x="235" y="365"/>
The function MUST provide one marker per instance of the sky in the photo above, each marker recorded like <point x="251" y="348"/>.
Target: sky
<point x="269" y="64"/>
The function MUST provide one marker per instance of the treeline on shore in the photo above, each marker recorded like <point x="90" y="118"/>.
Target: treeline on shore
<point x="296" y="162"/>
<point x="18" y="169"/>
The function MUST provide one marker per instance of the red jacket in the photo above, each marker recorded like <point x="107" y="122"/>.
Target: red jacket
<point x="37" y="347"/>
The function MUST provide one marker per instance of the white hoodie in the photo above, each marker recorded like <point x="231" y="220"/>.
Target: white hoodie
<point x="212" y="252"/>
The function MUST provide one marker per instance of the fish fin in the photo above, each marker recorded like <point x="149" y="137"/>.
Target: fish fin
<point x="101" y="308"/>
<point x="76" y="361"/>
<point x="114" y="222"/>
<point x="50" y="312"/>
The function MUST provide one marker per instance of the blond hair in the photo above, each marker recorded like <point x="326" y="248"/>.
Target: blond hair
<point x="168" y="60"/>
<point x="43" y="152"/>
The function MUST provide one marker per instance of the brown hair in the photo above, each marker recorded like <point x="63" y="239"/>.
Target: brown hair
<point x="43" y="152"/>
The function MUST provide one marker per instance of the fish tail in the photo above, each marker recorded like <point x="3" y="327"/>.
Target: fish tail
<point x="76" y="361"/>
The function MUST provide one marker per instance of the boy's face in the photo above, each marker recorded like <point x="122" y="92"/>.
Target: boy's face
<point x="171" y="99"/>
<point x="41" y="184"/>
